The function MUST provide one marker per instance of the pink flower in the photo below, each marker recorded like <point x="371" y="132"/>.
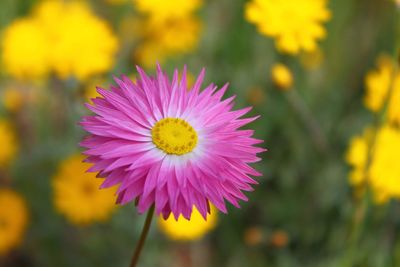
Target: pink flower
<point x="170" y="146"/>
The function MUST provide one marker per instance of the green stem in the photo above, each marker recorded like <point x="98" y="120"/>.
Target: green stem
<point x="307" y="116"/>
<point x="143" y="236"/>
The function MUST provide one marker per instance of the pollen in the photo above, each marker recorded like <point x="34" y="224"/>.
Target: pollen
<point x="174" y="136"/>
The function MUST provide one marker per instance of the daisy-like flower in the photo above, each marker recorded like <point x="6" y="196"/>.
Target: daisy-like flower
<point x="75" y="50"/>
<point x="161" y="10"/>
<point x="76" y="193"/>
<point x="383" y="85"/>
<point x="296" y="25"/>
<point x="189" y="230"/>
<point x="24" y="61"/>
<point x="9" y="143"/>
<point x="282" y="76"/>
<point x="381" y="172"/>
<point x="170" y="146"/>
<point x="13" y="219"/>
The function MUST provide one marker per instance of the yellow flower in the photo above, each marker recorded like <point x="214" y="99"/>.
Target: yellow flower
<point x="172" y="37"/>
<point x="25" y="50"/>
<point x="190" y="79"/>
<point x="148" y="53"/>
<point x="295" y="24"/>
<point x="13" y="219"/>
<point x="82" y="44"/>
<point x="12" y="99"/>
<point x="90" y="89"/>
<point x="378" y="84"/>
<point x="176" y="35"/>
<point x="91" y="92"/>
<point x="77" y="193"/>
<point x="282" y="76"/>
<point x="383" y="172"/>
<point x="160" y="9"/>
<point x="357" y="156"/>
<point x="8" y="143"/>
<point x="183" y="229"/>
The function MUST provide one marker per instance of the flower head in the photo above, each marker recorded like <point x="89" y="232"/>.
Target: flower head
<point x="167" y="29"/>
<point x="193" y="229"/>
<point x="8" y="142"/>
<point x="295" y="24"/>
<point x="25" y="50"/>
<point x="383" y="86"/>
<point x="383" y="171"/>
<point x="172" y="37"/>
<point x="52" y="38"/>
<point x="13" y="219"/>
<point x="170" y="146"/>
<point x="75" y="50"/>
<point x="76" y="193"/>
<point x="160" y="10"/>
<point x="282" y="76"/>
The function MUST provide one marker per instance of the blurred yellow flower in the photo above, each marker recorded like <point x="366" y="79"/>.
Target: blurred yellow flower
<point x="25" y="50"/>
<point x="160" y="10"/>
<point x="90" y="88"/>
<point x="82" y="44"/>
<point x="183" y="229"/>
<point x="177" y="35"/>
<point x="77" y="193"/>
<point x="148" y="53"/>
<point x="190" y="79"/>
<point x="13" y="219"/>
<point x="379" y="83"/>
<point x="282" y="76"/>
<point x="383" y="171"/>
<point x="168" y="28"/>
<point x="54" y="38"/>
<point x="91" y="92"/>
<point x="295" y="24"/>
<point x="357" y="155"/>
<point x="12" y="99"/>
<point x="8" y="143"/>
<point x="172" y="37"/>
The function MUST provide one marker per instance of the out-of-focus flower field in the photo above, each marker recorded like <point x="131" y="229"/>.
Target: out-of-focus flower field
<point x="323" y="75"/>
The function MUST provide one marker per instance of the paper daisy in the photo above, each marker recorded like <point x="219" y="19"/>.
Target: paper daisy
<point x="170" y="145"/>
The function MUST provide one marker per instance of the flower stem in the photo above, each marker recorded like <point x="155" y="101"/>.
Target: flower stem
<point x="307" y="116"/>
<point x="143" y="236"/>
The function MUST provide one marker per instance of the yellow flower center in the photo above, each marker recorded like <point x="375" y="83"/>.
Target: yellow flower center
<point x="174" y="136"/>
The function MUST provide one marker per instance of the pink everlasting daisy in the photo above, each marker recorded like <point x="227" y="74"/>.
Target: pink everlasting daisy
<point x="170" y="145"/>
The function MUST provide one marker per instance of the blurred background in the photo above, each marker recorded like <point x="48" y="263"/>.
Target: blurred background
<point x="323" y="75"/>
